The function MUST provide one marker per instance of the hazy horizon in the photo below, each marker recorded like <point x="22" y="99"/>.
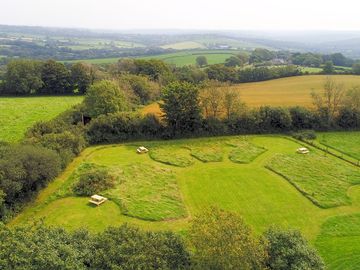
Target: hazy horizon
<point x="229" y="15"/>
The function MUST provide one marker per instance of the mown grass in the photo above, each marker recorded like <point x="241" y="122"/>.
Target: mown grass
<point x="345" y="142"/>
<point x="324" y="180"/>
<point x="339" y="242"/>
<point x="185" y="45"/>
<point x="17" y="114"/>
<point x="261" y="196"/>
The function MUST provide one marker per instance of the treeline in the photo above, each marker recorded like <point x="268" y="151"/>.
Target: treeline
<point x="216" y="239"/>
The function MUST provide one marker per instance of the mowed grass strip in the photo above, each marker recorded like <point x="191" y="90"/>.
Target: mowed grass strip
<point x="323" y="179"/>
<point x="148" y="192"/>
<point x="172" y="155"/>
<point x="345" y="142"/>
<point x="339" y="242"/>
<point x="244" y="151"/>
<point x="17" y="114"/>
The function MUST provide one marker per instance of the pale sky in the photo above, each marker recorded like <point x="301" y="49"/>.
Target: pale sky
<point x="185" y="14"/>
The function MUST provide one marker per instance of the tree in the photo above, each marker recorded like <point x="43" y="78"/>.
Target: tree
<point x="211" y="99"/>
<point x="260" y="55"/>
<point x="221" y="240"/>
<point x="22" y="77"/>
<point x="352" y="99"/>
<point x="181" y="107"/>
<point x="356" y="68"/>
<point x="56" y="78"/>
<point x="130" y="248"/>
<point x="288" y="250"/>
<point x="104" y="97"/>
<point x="233" y="61"/>
<point x="81" y="77"/>
<point x="144" y="90"/>
<point x="201" y="61"/>
<point x="232" y="102"/>
<point x="330" y="100"/>
<point x="328" y="67"/>
<point x="274" y="119"/>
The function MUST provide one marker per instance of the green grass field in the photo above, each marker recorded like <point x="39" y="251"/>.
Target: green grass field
<point x="345" y="142"/>
<point x="177" y="179"/>
<point x="181" y="58"/>
<point x="17" y="114"/>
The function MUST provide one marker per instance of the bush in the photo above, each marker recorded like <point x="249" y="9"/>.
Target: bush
<point x="104" y="97"/>
<point x="93" y="182"/>
<point x="305" y="135"/>
<point x="288" y="250"/>
<point x="24" y="169"/>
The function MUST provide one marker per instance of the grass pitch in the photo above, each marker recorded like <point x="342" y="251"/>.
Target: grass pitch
<point x="17" y="114"/>
<point x="154" y="195"/>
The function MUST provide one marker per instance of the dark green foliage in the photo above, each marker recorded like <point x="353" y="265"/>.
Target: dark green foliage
<point x="190" y="74"/>
<point x="201" y="61"/>
<point x="104" y="97"/>
<point x="22" y="77"/>
<point x="305" y="135"/>
<point x="261" y="55"/>
<point x="221" y="240"/>
<point x="24" y="169"/>
<point x="114" y="128"/>
<point x="274" y="119"/>
<point x="233" y="61"/>
<point x="154" y="68"/>
<point x="81" y="78"/>
<point x="144" y="90"/>
<point x="181" y="107"/>
<point x="307" y="59"/>
<point x="302" y="118"/>
<point x="93" y="181"/>
<point x="288" y="250"/>
<point x="39" y="247"/>
<point x="356" y="68"/>
<point x="328" y="67"/>
<point x="56" y="78"/>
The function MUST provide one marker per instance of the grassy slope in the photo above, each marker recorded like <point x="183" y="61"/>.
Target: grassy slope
<point x="345" y="142"/>
<point x="17" y="114"/>
<point x="293" y="91"/>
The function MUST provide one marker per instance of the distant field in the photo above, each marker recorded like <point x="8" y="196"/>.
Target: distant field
<point x="285" y="92"/>
<point x="179" y="58"/>
<point x="17" y="114"/>
<point x="186" y="45"/>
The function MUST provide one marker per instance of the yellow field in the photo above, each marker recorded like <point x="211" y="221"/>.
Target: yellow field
<point x="284" y="92"/>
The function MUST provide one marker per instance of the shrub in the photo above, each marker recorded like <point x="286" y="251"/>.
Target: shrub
<point x="104" y="97"/>
<point x="221" y="240"/>
<point x="288" y="250"/>
<point x="93" y="182"/>
<point x="305" y="135"/>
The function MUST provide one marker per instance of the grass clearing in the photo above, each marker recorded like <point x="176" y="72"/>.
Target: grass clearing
<point x="148" y="192"/>
<point x="17" y="114"/>
<point x="322" y="179"/>
<point x="155" y="196"/>
<point x="339" y="242"/>
<point x="345" y="142"/>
